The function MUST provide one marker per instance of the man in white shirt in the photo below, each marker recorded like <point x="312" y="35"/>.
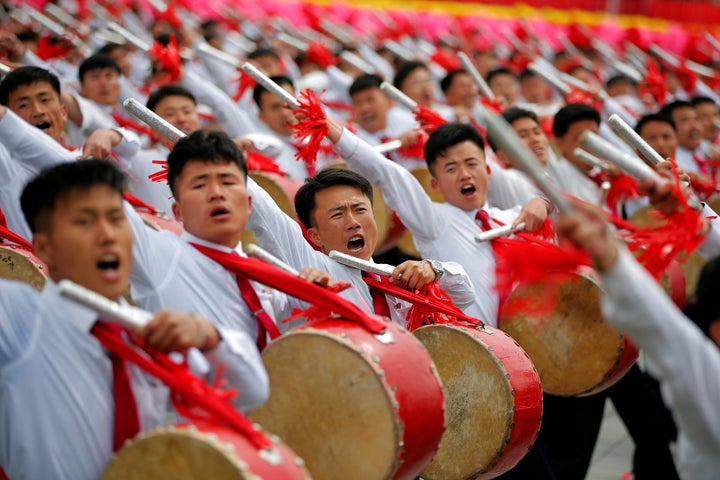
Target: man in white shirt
<point x="335" y="206"/>
<point x="685" y="361"/>
<point x="56" y="380"/>
<point x="33" y="94"/>
<point x="455" y="157"/>
<point x="688" y="155"/>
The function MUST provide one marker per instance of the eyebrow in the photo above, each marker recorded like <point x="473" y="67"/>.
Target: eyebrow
<point x="344" y="206"/>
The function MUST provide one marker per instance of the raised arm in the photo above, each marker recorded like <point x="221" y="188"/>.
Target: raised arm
<point x="401" y="191"/>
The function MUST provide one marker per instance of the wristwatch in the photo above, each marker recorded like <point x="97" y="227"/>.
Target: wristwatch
<point x="437" y="268"/>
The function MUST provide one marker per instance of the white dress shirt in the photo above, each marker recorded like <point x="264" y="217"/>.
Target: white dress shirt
<point x="282" y="236"/>
<point x="56" y="396"/>
<point x="571" y="180"/>
<point x="440" y="230"/>
<point x="685" y="361"/>
<point x="26" y="151"/>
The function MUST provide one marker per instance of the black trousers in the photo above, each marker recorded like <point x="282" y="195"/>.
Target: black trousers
<point x="571" y="426"/>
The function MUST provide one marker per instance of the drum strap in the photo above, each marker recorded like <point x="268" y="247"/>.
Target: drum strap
<point x="127" y="421"/>
<point x="380" y="305"/>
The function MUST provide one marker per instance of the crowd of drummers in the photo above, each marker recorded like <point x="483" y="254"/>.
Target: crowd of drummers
<point x="315" y="249"/>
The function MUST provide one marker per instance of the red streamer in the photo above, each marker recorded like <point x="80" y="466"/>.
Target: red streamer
<point x="169" y="57"/>
<point x="320" y="54"/>
<point x="311" y="129"/>
<point x="429" y="120"/>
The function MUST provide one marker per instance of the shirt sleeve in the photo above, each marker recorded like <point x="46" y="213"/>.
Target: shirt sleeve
<point x="686" y="362"/>
<point x="457" y="284"/>
<point x="28" y="146"/>
<point x="401" y="190"/>
<point x="227" y="113"/>
<point x="242" y="367"/>
<point x="18" y="320"/>
<point x="711" y="245"/>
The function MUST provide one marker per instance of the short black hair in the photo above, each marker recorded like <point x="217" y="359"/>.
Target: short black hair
<point x="500" y="71"/>
<point x="41" y="194"/>
<point x="448" y="79"/>
<point x="108" y="48"/>
<point x="263" y="52"/>
<point x="96" y="62"/>
<point x="365" y="82"/>
<point x="448" y="135"/>
<point x="527" y="73"/>
<point x="259" y="89"/>
<point x="654" y="117"/>
<point x="404" y="70"/>
<point x="700" y="99"/>
<point x="512" y="115"/>
<point x="23" y="76"/>
<point x="670" y="108"/>
<point x="326" y="178"/>
<point x="571" y="113"/>
<point x="618" y="79"/>
<point x="210" y="146"/>
<point x="168" y="91"/>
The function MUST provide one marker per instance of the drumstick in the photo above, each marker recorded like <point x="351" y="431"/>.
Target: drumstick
<point x="675" y="62"/>
<point x="52" y="25"/>
<point x="132" y="39"/>
<point x="152" y="119"/>
<point x="292" y="41"/>
<point x="712" y="41"/>
<point x="551" y="78"/>
<point x="128" y="316"/>
<point x="590" y="159"/>
<point x="388" y="146"/>
<point x="631" y="137"/>
<point x="398" y="50"/>
<point x="399" y="96"/>
<point x="629" y="163"/>
<point x="211" y="51"/>
<point x="4" y="69"/>
<point x="273" y="87"/>
<point x="477" y="78"/>
<point x="635" y="167"/>
<point x="503" y="231"/>
<point x="337" y="32"/>
<point x="357" y="62"/>
<point x="364" y="265"/>
<point x="500" y="131"/>
<point x="261" y="253"/>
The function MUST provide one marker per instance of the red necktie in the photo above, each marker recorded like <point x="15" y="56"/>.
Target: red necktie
<point x="380" y="304"/>
<point x="483" y="220"/>
<point x="265" y="323"/>
<point x="127" y="421"/>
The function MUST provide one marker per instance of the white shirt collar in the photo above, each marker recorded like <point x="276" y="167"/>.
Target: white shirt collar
<point x="190" y="238"/>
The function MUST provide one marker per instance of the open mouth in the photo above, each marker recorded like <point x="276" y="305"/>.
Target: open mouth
<point x="109" y="263"/>
<point x="467" y="190"/>
<point x="356" y="243"/>
<point x="219" y="211"/>
<point x="44" y="125"/>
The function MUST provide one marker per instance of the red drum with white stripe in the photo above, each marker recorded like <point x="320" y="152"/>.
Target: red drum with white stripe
<point x="493" y="401"/>
<point x="202" y="451"/>
<point x="354" y="405"/>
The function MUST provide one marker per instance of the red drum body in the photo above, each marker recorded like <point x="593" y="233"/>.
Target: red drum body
<point x="493" y="401"/>
<point x="202" y="451"/>
<point x="354" y="405"/>
<point x="575" y="350"/>
<point x="22" y="265"/>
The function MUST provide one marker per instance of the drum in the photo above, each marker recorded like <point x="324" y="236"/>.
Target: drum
<point x="493" y="401"/>
<point x="202" y="451"/>
<point x="280" y="187"/>
<point x="354" y="405"/>
<point x="691" y="265"/>
<point x="17" y="263"/>
<point x="575" y="350"/>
